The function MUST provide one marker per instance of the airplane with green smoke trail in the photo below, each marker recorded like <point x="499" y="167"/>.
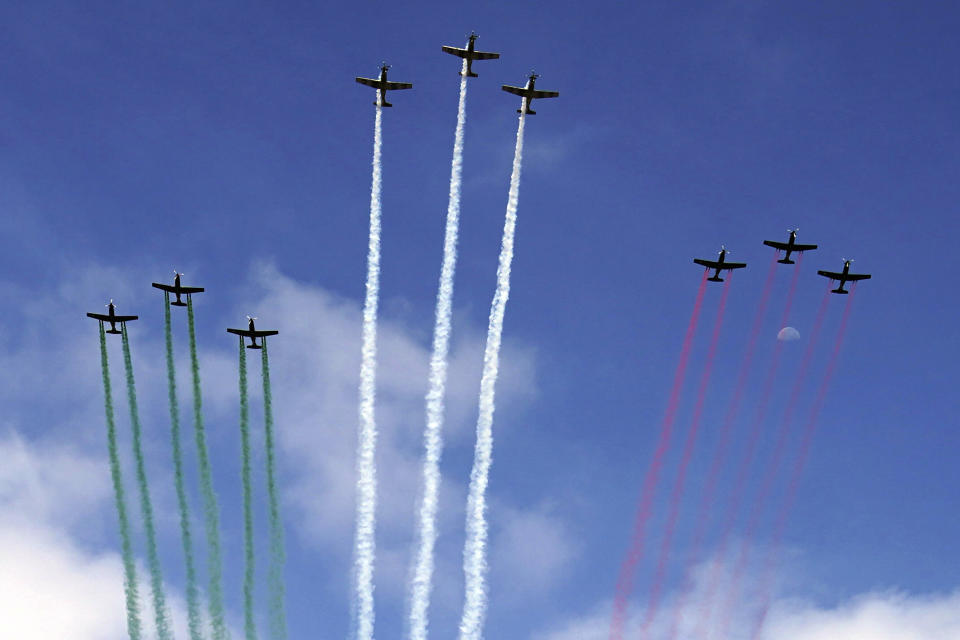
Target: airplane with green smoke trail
<point x="252" y="333"/>
<point x="177" y="289"/>
<point x="111" y="317"/>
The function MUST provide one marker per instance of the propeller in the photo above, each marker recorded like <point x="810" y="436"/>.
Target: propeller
<point x="251" y="317"/>
<point x="384" y="65"/>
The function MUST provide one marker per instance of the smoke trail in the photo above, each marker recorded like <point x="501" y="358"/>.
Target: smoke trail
<point x="364" y="547"/>
<point x="278" y="617"/>
<point x="211" y="511"/>
<point x="787" y="504"/>
<point x="720" y="454"/>
<point x="474" y="551"/>
<point x="421" y="582"/>
<point x="753" y="441"/>
<point x="653" y="600"/>
<point x="635" y="553"/>
<point x="161" y="614"/>
<point x="250" y="628"/>
<point x="193" y="601"/>
<point x="129" y="566"/>
<point x="773" y="466"/>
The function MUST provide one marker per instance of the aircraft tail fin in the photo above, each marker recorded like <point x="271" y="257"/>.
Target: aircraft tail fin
<point x="470" y="74"/>
<point x="384" y="104"/>
<point x="254" y="346"/>
<point x="530" y="112"/>
<point x="786" y="261"/>
<point x="118" y="332"/>
<point x="715" y="279"/>
<point x="839" y="290"/>
<point x="178" y="303"/>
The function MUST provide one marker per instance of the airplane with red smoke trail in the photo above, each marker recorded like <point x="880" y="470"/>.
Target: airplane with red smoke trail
<point x="111" y="317"/>
<point x="470" y="54"/>
<point x="382" y="85"/>
<point x="177" y="289"/>
<point x="252" y="333"/>
<point x="844" y="276"/>
<point x="720" y="264"/>
<point x="790" y="246"/>
<point x="528" y="93"/>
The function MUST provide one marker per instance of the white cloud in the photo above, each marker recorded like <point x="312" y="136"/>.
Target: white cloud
<point x="50" y="585"/>
<point x="876" y="615"/>
<point x="50" y="508"/>
<point x="884" y="615"/>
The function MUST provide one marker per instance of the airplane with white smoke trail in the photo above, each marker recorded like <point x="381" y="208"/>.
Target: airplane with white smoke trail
<point x="470" y="54"/>
<point x="528" y="93"/>
<point x="382" y="85"/>
<point x="111" y="317"/>
<point x="720" y="264"/>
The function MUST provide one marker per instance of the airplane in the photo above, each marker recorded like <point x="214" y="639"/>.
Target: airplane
<point x="469" y="54"/>
<point x="844" y="277"/>
<point x="719" y="264"/>
<point x="111" y="317"/>
<point x="528" y="93"/>
<point x="252" y="333"/>
<point x="383" y="86"/>
<point x="789" y="246"/>
<point x="177" y="289"/>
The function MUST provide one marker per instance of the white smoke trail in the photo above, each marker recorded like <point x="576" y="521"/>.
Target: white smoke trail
<point x="421" y="582"/>
<point x="474" y="552"/>
<point x="364" y="543"/>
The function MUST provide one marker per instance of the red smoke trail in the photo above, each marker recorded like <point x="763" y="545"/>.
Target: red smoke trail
<point x="787" y="505"/>
<point x="653" y="601"/>
<point x="726" y="429"/>
<point x="635" y="553"/>
<point x="753" y="441"/>
<point x="773" y="465"/>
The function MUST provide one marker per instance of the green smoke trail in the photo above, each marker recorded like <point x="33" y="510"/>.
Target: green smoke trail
<point x="146" y="508"/>
<point x="129" y="567"/>
<point x="193" y="601"/>
<point x="211" y="511"/>
<point x="278" y="618"/>
<point x="249" y="625"/>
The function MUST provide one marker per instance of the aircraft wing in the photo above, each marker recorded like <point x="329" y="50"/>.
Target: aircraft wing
<point x="189" y="290"/>
<point x="262" y="334"/>
<point x="485" y="55"/>
<point x="519" y="91"/>
<point x="460" y="53"/>
<point x="240" y="332"/>
<point x="164" y="287"/>
<point x="779" y="246"/>
<point x="804" y="247"/>
<point x="545" y="94"/>
<point x="710" y="264"/>
<point x="833" y="275"/>
<point x="394" y="86"/>
<point x="370" y="82"/>
<point x="733" y="265"/>
<point x="857" y="276"/>
<point x="105" y="318"/>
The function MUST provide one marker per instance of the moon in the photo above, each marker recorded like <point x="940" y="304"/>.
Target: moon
<point x="788" y="334"/>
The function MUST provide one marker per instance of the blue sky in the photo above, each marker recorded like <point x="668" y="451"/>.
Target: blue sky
<point x="230" y="142"/>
